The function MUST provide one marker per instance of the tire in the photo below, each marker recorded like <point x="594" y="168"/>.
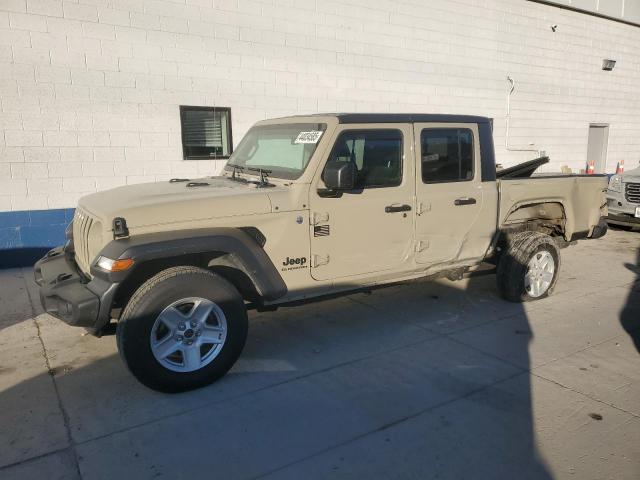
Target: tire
<point x="179" y="296"/>
<point x="514" y="271"/>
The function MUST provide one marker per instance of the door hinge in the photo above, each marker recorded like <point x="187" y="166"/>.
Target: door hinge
<point x="423" y="207"/>
<point x="422" y="245"/>
<point x="320" y="217"/>
<point x="319" y="260"/>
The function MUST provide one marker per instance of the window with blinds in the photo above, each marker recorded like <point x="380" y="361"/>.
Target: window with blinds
<point x="206" y="132"/>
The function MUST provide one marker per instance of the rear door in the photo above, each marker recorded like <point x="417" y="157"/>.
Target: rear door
<point x="369" y="229"/>
<point x="456" y="211"/>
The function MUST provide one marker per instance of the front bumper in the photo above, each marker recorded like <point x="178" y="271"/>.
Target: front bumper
<point x="618" y="204"/>
<point x="69" y="296"/>
<point x="624" y="219"/>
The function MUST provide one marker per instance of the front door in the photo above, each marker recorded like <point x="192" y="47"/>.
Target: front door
<point x="369" y="229"/>
<point x="456" y="212"/>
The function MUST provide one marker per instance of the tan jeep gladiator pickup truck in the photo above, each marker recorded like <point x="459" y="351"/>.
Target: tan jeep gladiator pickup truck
<point x="307" y="206"/>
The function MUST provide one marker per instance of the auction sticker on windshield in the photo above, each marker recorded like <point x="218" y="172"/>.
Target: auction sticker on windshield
<point x="308" y="137"/>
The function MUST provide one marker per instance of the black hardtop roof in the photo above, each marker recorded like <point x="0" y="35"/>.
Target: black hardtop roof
<point x="408" y="118"/>
<point x="400" y="117"/>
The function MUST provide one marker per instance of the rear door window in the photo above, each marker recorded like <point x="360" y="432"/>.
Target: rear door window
<point x="446" y="155"/>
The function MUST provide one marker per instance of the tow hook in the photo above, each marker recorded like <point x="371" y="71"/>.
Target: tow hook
<point x="62" y="277"/>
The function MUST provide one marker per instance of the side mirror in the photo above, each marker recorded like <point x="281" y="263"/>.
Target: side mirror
<point x="339" y="176"/>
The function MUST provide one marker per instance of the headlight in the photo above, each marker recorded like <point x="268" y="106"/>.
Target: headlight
<point x="114" y="265"/>
<point x="615" y="183"/>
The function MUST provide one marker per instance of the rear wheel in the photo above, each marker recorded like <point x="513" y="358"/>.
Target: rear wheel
<point x="182" y="329"/>
<point x="528" y="268"/>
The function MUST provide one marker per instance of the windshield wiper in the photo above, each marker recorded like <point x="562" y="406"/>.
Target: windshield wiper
<point x="264" y="182"/>
<point x="234" y="176"/>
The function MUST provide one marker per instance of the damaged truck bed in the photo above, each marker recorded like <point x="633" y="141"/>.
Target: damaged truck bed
<point x="565" y="205"/>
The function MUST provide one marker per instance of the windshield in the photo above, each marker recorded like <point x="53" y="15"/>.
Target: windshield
<point x="284" y="149"/>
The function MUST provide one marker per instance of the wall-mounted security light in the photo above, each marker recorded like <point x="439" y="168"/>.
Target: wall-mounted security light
<point x="608" y="65"/>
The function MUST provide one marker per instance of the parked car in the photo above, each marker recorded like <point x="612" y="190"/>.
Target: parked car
<point x="307" y="206"/>
<point x="623" y="199"/>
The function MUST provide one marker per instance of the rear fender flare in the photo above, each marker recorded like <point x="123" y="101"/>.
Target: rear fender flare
<point x="548" y="209"/>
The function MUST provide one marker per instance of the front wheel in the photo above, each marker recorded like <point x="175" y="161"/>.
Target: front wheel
<point x="528" y="268"/>
<point x="182" y="329"/>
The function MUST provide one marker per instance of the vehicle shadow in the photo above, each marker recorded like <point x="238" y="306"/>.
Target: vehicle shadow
<point x="379" y="385"/>
<point x="15" y="297"/>
<point x="21" y="257"/>
<point x="628" y="315"/>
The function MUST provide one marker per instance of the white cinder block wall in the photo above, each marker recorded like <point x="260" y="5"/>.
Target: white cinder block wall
<point x="90" y="89"/>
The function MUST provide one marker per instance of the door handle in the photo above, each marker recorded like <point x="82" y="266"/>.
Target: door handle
<point x="464" y="201"/>
<point x="397" y="208"/>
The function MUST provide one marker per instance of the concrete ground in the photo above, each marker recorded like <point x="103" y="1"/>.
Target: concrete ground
<point x="428" y="380"/>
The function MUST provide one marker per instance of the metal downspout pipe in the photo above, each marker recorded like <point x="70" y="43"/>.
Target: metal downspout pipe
<point x="531" y="147"/>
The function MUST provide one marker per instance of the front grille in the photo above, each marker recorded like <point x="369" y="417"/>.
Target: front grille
<point x="82" y="222"/>
<point x="632" y="192"/>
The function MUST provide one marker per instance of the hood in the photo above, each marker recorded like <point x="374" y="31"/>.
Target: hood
<point x="631" y="175"/>
<point x="171" y="202"/>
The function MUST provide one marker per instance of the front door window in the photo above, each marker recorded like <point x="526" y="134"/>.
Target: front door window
<point x="377" y="155"/>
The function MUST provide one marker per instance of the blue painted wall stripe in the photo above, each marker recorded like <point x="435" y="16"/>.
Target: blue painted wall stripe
<point x="33" y="228"/>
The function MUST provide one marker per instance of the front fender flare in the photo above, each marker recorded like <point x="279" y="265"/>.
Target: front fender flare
<point x="239" y="249"/>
